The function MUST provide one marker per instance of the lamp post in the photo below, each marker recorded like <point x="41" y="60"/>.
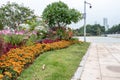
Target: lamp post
<point x="85" y="18"/>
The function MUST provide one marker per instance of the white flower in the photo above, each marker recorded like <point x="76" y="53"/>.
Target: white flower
<point x="25" y="26"/>
<point x="39" y="28"/>
<point x="6" y="27"/>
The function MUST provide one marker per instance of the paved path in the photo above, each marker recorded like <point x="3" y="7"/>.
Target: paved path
<point x="100" y="39"/>
<point x="103" y="62"/>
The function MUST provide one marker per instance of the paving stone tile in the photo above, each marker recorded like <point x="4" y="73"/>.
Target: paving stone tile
<point x="108" y="61"/>
<point x="111" y="78"/>
<point x="110" y="70"/>
<point x="117" y="56"/>
<point x="103" y="62"/>
<point x="91" y="75"/>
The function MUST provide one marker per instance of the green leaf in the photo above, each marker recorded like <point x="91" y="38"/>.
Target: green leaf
<point x="58" y="14"/>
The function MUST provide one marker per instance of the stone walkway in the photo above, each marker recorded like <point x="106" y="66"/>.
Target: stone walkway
<point x="103" y="62"/>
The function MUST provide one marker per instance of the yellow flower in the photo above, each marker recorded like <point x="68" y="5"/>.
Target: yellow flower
<point x="20" y="57"/>
<point x="8" y="74"/>
<point x="1" y="76"/>
<point x="18" y="70"/>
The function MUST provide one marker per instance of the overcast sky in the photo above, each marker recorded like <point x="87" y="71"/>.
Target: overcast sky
<point x="109" y="9"/>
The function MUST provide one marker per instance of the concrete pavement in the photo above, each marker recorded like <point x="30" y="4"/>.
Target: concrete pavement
<point x="102" y="63"/>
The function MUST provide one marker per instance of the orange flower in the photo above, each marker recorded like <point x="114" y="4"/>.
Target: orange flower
<point x="8" y="74"/>
<point x="18" y="69"/>
<point x="1" y="76"/>
<point x="18" y="58"/>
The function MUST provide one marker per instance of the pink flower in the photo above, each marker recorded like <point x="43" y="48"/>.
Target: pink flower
<point x="19" y="32"/>
<point x="5" y="32"/>
<point x="34" y="32"/>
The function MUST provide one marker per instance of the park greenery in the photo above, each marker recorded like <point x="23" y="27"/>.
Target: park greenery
<point x="24" y="36"/>
<point x="114" y="30"/>
<point x="59" y="64"/>
<point x="13" y="14"/>
<point x="91" y="30"/>
<point x="58" y="14"/>
<point x="97" y="30"/>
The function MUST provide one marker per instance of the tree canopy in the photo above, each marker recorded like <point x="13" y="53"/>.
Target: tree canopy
<point x="114" y="29"/>
<point x="59" y="14"/>
<point x="91" y="30"/>
<point x="12" y="14"/>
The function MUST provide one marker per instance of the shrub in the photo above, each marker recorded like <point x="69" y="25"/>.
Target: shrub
<point x="1" y="45"/>
<point x="31" y="40"/>
<point x="14" y="62"/>
<point x="13" y="39"/>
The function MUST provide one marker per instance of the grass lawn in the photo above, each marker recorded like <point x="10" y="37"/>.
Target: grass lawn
<point x="60" y="64"/>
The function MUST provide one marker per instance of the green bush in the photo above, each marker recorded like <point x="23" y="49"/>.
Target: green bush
<point x="31" y="40"/>
<point x="13" y="39"/>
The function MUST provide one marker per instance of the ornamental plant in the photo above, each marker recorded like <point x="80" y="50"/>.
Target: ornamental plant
<point x="58" y="14"/>
<point x="1" y="45"/>
<point x="31" y="40"/>
<point x="16" y="60"/>
<point x="12" y="39"/>
<point x="62" y="33"/>
<point x="13" y="14"/>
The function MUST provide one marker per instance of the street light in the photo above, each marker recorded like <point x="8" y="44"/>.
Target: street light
<point x="85" y="18"/>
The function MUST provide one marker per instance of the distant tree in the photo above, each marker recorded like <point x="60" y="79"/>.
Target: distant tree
<point x="13" y="14"/>
<point x="99" y="29"/>
<point x="91" y="30"/>
<point x="114" y="29"/>
<point x="58" y="14"/>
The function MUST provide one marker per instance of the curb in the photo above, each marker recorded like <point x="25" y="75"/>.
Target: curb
<point x="81" y="66"/>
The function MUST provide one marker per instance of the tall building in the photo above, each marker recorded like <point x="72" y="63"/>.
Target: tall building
<point x="105" y="23"/>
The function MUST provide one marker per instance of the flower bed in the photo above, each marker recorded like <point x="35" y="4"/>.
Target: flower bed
<point x="16" y="60"/>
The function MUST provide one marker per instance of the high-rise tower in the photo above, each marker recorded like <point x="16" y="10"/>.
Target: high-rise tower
<point x="105" y="23"/>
